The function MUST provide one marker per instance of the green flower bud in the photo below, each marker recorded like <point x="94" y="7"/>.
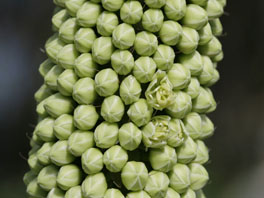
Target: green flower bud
<point x="214" y="79"/>
<point x="199" y="194"/>
<point x="195" y="17"/>
<point x="212" y="101"/>
<point x="141" y="194"/>
<point x="175" y="9"/>
<point x="199" y="176"/>
<point x="36" y="139"/>
<point x="73" y="6"/>
<point x="122" y="61"/>
<point x="67" y="55"/>
<point x="59" y="18"/>
<point x="193" y="62"/>
<point x="187" y="151"/>
<point x="47" y="177"/>
<point x="45" y="66"/>
<point x="106" y="23"/>
<point x="164" y="57"/>
<point x="60" y="155"/>
<point x="222" y="2"/>
<point x="34" y="163"/>
<point x="84" y="91"/>
<point x="157" y="184"/>
<point x="85" y="117"/>
<point x="102" y="50"/>
<point x="170" y="33"/>
<point x="79" y="142"/>
<point x="113" y="193"/>
<point x="34" y="190"/>
<point x="155" y="133"/>
<point x="65" y="82"/>
<point x="60" y="3"/>
<point x="155" y="3"/>
<point x="85" y="66"/>
<point x="106" y="135"/>
<point x="134" y="175"/>
<point x="179" y="76"/>
<point x="188" y="194"/>
<point x="208" y="71"/>
<point x="44" y="130"/>
<point x="63" y="126"/>
<point x="202" y="155"/>
<point x="203" y="102"/>
<point x="129" y="136"/>
<point x="189" y="40"/>
<point x="140" y="112"/>
<point x="41" y="110"/>
<point x="112" y="5"/>
<point x="28" y="177"/>
<point x="88" y="13"/>
<point x="199" y="2"/>
<point x="152" y="20"/>
<point x="44" y="152"/>
<point x="207" y="127"/>
<point x="193" y="125"/>
<point x="112" y="109"/>
<point x="205" y="34"/>
<point x="146" y="43"/>
<point x="124" y="36"/>
<point x="69" y="176"/>
<point x="56" y="193"/>
<point x="214" y="9"/>
<point x="53" y="46"/>
<point x="74" y="192"/>
<point x="131" y="12"/>
<point x="217" y="27"/>
<point x="180" y="178"/>
<point x="115" y="158"/>
<point x="68" y="29"/>
<point x="34" y="149"/>
<point x="144" y="69"/>
<point x="211" y="49"/>
<point x="130" y="90"/>
<point x="94" y="186"/>
<point x="219" y="57"/>
<point x="92" y="161"/>
<point x="42" y="93"/>
<point x="163" y="159"/>
<point x="57" y="104"/>
<point x="172" y="194"/>
<point x="181" y="106"/>
<point x="84" y="39"/>
<point x="193" y="88"/>
<point x="176" y="134"/>
<point x="52" y="76"/>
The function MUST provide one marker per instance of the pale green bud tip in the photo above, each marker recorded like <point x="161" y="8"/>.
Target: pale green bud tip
<point x="172" y="194"/>
<point x="155" y="3"/>
<point x="102" y="50"/>
<point x="157" y="184"/>
<point x="92" y="161"/>
<point x="175" y="9"/>
<point x="207" y="127"/>
<point x="189" y="194"/>
<point x="106" y="23"/>
<point x="115" y="158"/>
<point x="60" y="3"/>
<point x="131" y="12"/>
<point x="69" y="176"/>
<point x="214" y="9"/>
<point x="85" y="66"/>
<point x="176" y="134"/>
<point x="53" y="46"/>
<point x="67" y="55"/>
<point x="163" y="159"/>
<point x="205" y="34"/>
<point x="106" y="135"/>
<point x="170" y="33"/>
<point x="212" y="48"/>
<point x="140" y="112"/>
<point x="122" y="61"/>
<point x="141" y="194"/>
<point x="60" y="155"/>
<point x="106" y="82"/>
<point x="74" y="192"/>
<point x="208" y="71"/>
<point x="84" y="39"/>
<point x="112" y="109"/>
<point x="42" y="93"/>
<point x="56" y="193"/>
<point x="193" y="62"/>
<point x="219" y="57"/>
<point x="113" y="193"/>
<point x="112" y="5"/>
<point x="202" y="155"/>
<point x="189" y="40"/>
<point x="28" y="177"/>
<point x="180" y="178"/>
<point x="193" y="88"/>
<point x="34" y="190"/>
<point x="65" y="82"/>
<point x="130" y="90"/>
<point x="152" y="20"/>
<point x="59" y="18"/>
<point x="47" y="177"/>
<point x="45" y="66"/>
<point x="44" y="129"/>
<point x="146" y="43"/>
<point x="134" y="175"/>
<point x="124" y="36"/>
<point x="193" y="125"/>
<point x="94" y="185"/>
<point x="187" y="151"/>
<point x="216" y="26"/>
<point x="85" y="117"/>
<point x="204" y="102"/>
<point x="43" y="153"/>
<point x="51" y="77"/>
<point x="164" y="57"/>
<point x="68" y="29"/>
<point x="73" y="6"/>
<point x="87" y="15"/>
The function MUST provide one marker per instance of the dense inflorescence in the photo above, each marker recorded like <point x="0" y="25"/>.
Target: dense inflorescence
<point x="122" y="110"/>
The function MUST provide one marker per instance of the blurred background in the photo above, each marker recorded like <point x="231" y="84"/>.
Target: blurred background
<point x="237" y="152"/>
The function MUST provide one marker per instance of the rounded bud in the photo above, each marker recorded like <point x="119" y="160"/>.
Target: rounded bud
<point x="106" y="23"/>
<point x="44" y="152"/>
<point x="189" y="40"/>
<point x="59" y="18"/>
<point x="180" y="178"/>
<point x="193" y="62"/>
<point x="146" y="43"/>
<point x="47" y="177"/>
<point x="207" y="127"/>
<point x="170" y="32"/>
<point x="193" y="88"/>
<point x="53" y="46"/>
<point x="163" y="159"/>
<point x="155" y="3"/>
<point x="34" y="190"/>
<point x="41" y="110"/>
<point x="73" y="6"/>
<point x="85" y="117"/>
<point x="84" y="91"/>
<point x="60" y="155"/>
<point x="106" y="135"/>
<point x="129" y="136"/>
<point x="63" y="126"/>
<point x="152" y="20"/>
<point x="44" y="129"/>
<point x="42" y="93"/>
<point x="28" y="177"/>
<point x="202" y="155"/>
<point x="84" y="39"/>
<point x="187" y="151"/>
<point x="67" y="55"/>
<point x="212" y="101"/>
<point x="112" y="109"/>
<point x="193" y="125"/>
<point x="219" y="57"/>
<point x="56" y="193"/>
<point x="214" y="79"/>
<point x="188" y="194"/>
<point x="176" y="134"/>
<point x="94" y="185"/>
<point x="216" y="26"/>
<point x="212" y="48"/>
<point x="199" y="176"/>
<point x="51" y="77"/>
<point x="113" y="193"/>
<point x="175" y="9"/>
<point x="141" y="194"/>
<point x="134" y="176"/>
<point x="205" y="34"/>
<point x="172" y="194"/>
<point x="68" y="29"/>
<point x="79" y="142"/>
<point x="131" y="12"/>
<point x="65" y="82"/>
<point x="60" y="3"/>
<point x="199" y="2"/>
<point x="85" y="66"/>
<point x="122" y="61"/>
<point x="74" y="192"/>
<point x="164" y="57"/>
<point x="208" y="71"/>
<point x="124" y="36"/>
<point x="92" y="161"/>
<point x="88" y="13"/>
<point x="102" y="50"/>
<point x="112" y="5"/>
<point x="45" y="66"/>
<point x="203" y="102"/>
<point x="140" y="112"/>
<point x="214" y="9"/>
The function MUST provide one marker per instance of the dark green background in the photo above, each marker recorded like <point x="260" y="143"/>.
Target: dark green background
<point x="237" y="163"/>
